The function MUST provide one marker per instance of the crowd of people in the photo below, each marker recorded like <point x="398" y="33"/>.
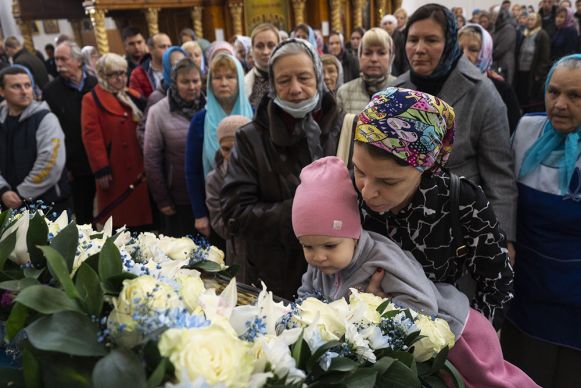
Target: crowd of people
<point x="232" y="140"/>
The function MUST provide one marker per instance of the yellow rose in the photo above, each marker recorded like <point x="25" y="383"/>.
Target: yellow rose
<point x="211" y="353"/>
<point x="364" y="306"/>
<point x="216" y="255"/>
<point x="331" y="316"/>
<point x="191" y="287"/>
<point x="176" y="248"/>
<point x="140" y="295"/>
<point x="437" y="335"/>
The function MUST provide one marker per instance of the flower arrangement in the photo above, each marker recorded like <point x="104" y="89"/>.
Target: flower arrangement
<point x="101" y="309"/>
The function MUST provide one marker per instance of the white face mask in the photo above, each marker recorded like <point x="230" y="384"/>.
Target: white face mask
<point x="298" y="110"/>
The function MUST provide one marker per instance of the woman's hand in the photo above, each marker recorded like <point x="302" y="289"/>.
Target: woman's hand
<point x="374" y="286"/>
<point x="168" y="210"/>
<point x="104" y="182"/>
<point x="511" y="252"/>
<point x="11" y="200"/>
<point x="203" y="226"/>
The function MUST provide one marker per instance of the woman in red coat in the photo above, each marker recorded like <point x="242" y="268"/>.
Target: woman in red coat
<point x="110" y="114"/>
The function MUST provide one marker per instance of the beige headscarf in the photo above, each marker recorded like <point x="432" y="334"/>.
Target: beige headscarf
<point x="107" y="64"/>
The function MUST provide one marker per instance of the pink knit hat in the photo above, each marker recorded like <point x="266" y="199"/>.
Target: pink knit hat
<point x="325" y="202"/>
<point x="229" y="125"/>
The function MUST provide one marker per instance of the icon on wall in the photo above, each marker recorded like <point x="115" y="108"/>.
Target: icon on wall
<point x="51" y="26"/>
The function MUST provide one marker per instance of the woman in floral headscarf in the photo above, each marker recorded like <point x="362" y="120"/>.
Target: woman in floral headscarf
<point x="400" y="150"/>
<point x="482" y="152"/>
<point x="110" y="114"/>
<point x="476" y="43"/>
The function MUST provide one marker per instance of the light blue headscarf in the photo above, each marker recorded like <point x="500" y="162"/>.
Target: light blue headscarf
<point x="551" y="140"/>
<point x="215" y="114"/>
<point x="167" y="64"/>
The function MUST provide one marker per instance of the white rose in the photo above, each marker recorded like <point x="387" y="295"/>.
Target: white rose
<point x="437" y="335"/>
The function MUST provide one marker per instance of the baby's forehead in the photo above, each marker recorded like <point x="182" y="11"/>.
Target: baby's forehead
<point x="321" y="240"/>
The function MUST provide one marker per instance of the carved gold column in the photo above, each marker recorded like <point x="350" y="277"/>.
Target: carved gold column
<point x="98" y="20"/>
<point x="299" y="10"/>
<point x="24" y="26"/>
<point x="77" y="26"/>
<point x="236" y="12"/>
<point x="336" y="24"/>
<point x="381" y="10"/>
<point x="151" y="15"/>
<point x="197" y="19"/>
<point x="358" y="13"/>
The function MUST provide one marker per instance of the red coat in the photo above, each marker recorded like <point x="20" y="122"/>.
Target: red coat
<point x="111" y="144"/>
<point x="140" y="81"/>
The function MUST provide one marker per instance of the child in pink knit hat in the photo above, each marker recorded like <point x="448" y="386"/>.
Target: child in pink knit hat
<point x="341" y="255"/>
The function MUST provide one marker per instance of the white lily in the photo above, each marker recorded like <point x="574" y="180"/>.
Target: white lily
<point x="219" y="305"/>
<point x="20" y="253"/>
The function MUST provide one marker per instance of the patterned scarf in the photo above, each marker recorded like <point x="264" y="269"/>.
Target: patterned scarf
<point x="413" y="126"/>
<point x="551" y="141"/>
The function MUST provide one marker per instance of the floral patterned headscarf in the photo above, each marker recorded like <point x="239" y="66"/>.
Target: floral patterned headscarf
<point x="413" y="126"/>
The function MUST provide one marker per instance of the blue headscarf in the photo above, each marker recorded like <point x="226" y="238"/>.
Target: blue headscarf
<point x="312" y="39"/>
<point x="215" y="114"/>
<point x="452" y="50"/>
<point x="551" y="140"/>
<point x="167" y="64"/>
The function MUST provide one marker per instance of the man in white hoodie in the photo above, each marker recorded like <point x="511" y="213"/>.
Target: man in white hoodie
<point x="32" y="152"/>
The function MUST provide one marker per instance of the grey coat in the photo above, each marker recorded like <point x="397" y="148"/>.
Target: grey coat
<point x="504" y="50"/>
<point x="404" y="281"/>
<point x="481" y="146"/>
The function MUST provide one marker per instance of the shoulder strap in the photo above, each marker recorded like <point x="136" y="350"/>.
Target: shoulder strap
<point x="460" y="249"/>
<point x="97" y="101"/>
<point x="345" y="140"/>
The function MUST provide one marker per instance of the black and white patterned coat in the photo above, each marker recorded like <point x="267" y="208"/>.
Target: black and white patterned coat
<point x="424" y="228"/>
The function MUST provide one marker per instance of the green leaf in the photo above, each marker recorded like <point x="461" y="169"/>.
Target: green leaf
<point x="46" y="300"/>
<point x="93" y="261"/>
<point x="383" y="306"/>
<point x="109" y="260"/>
<point x="32" y="376"/>
<point x="11" y="377"/>
<point x="16" y="320"/>
<point x="319" y="353"/>
<point x="383" y="364"/>
<point x="32" y="273"/>
<point x="37" y="235"/>
<point x="301" y="352"/>
<point x="439" y="360"/>
<point x="6" y="247"/>
<point x="231" y="271"/>
<point x="158" y="374"/>
<point x="343" y="364"/>
<point x="207" y="266"/>
<point x="89" y="288"/>
<point x="399" y="376"/>
<point x="119" y="369"/>
<point x="456" y="376"/>
<point x="114" y="284"/>
<point x="66" y="243"/>
<point x="66" y="332"/>
<point x="58" y="267"/>
<point x="433" y="382"/>
<point x="362" y="378"/>
<point x="413" y="338"/>
<point x="18" y="285"/>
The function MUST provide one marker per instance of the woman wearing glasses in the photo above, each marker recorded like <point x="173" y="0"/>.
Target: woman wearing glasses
<point x="110" y="114"/>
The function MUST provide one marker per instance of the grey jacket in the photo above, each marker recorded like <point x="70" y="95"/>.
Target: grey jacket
<point x="50" y="153"/>
<point x="404" y="281"/>
<point x="481" y="146"/>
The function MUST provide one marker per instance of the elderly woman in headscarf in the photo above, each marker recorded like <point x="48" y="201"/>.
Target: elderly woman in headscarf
<point x="90" y="58"/>
<point x="165" y="146"/>
<point x="225" y="96"/>
<point x="564" y="41"/>
<point x="299" y="123"/>
<point x="375" y="59"/>
<point x="349" y="63"/>
<point x="504" y="38"/>
<point x="305" y="32"/>
<point x="476" y="43"/>
<point x="242" y="46"/>
<point x="541" y="333"/>
<point x="332" y="72"/>
<point x="110" y="114"/>
<point x="171" y="56"/>
<point x="482" y="148"/>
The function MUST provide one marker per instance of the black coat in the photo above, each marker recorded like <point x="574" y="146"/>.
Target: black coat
<point x="34" y="64"/>
<point x="259" y="187"/>
<point x="65" y="102"/>
<point x="350" y="66"/>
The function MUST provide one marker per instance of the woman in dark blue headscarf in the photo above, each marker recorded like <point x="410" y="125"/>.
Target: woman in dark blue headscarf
<point x="482" y="149"/>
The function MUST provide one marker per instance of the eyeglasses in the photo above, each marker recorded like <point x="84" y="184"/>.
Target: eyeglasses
<point x="117" y="74"/>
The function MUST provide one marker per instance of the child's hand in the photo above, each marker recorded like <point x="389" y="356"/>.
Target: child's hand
<point x="374" y="286"/>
